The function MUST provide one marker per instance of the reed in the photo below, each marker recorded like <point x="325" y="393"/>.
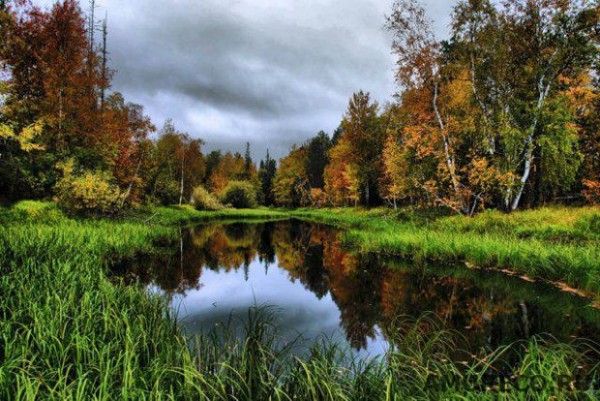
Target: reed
<point x="69" y="332"/>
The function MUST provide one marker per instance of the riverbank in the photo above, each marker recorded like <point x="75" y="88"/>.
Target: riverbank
<point x="557" y="244"/>
<point x="69" y="332"/>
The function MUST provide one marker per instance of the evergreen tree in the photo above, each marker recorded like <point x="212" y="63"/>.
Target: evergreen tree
<point x="266" y="175"/>
<point x="317" y="159"/>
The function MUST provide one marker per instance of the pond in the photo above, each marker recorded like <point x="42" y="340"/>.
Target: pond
<point x="320" y="289"/>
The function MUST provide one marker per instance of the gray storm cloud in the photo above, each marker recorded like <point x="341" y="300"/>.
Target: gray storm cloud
<point x="270" y="72"/>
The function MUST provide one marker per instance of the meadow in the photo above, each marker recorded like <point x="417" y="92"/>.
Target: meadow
<point x="69" y="331"/>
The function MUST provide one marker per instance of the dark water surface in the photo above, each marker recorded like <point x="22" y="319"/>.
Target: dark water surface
<point x="219" y="270"/>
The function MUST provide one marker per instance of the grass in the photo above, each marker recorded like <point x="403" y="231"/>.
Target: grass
<point x="556" y="244"/>
<point x="67" y="332"/>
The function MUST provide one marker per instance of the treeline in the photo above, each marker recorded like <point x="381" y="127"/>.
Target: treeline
<point x="63" y="133"/>
<point x="504" y="114"/>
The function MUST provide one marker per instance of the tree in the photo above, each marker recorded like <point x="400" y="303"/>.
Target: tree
<point x="586" y="101"/>
<point x="67" y="106"/>
<point x="516" y="105"/>
<point x="249" y="166"/>
<point x="355" y="159"/>
<point x="179" y="165"/>
<point x="266" y="174"/>
<point x="395" y="169"/>
<point x="490" y="101"/>
<point x="291" y="186"/>
<point x="340" y="186"/>
<point x="419" y="68"/>
<point x="15" y="149"/>
<point x="317" y="159"/>
<point x="53" y="76"/>
<point x="229" y="167"/>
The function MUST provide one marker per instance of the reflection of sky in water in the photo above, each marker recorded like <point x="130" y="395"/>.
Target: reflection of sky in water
<point x="361" y="296"/>
<point x="222" y="295"/>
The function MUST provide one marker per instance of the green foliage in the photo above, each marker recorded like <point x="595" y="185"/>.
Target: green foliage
<point x="20" y="173"/>
<point x="165" y="190"/>
<point x="24" y="211"/>
<point x="560" y="156"/>
<point x="90" y="193"/>
<point x="240" y="195"/>
<point x="204" y="200"/>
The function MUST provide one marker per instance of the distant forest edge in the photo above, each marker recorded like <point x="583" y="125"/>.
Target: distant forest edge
<point x="505" y="114"/>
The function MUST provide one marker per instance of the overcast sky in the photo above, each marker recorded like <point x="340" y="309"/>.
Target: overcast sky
<point x="268" y="72"/>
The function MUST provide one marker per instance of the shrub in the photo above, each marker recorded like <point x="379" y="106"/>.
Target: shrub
<point x="204" y="200"/>
<point x="240" y="195"/>
<point x="166" y="191"/>
<point x="87" y="193"/>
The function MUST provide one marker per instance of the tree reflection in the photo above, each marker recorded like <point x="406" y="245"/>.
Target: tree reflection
<point x="370" y="293"/>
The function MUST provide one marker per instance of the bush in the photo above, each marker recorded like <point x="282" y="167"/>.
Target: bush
<point x="88" y="193"/>
<point x="166" y="191"/>
<point x="204" y="200"/>
<point x="240" y="195"/>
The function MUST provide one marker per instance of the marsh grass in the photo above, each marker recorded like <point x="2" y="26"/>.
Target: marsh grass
<point x="423" y="363"/>
<point x="187" y="215"/>
<point x="556" y="244"/>
<point x="67" y="332"/>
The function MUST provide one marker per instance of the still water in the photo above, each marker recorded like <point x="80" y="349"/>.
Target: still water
<point x="321" y="290"/>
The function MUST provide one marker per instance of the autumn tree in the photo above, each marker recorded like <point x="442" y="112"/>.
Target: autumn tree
<point x="355" y="163"/>
<point x="52" y="78"/>
<point x="518" y="85"/>
<point x="178" y="166"/>
<point x="492" y="104"/>
<point x="395" y="180"/>
<point x="587" y="98"/>
<point x="292" y="186"/>
<point x="229" y="167"/>
<point x="420" y="70"/>
<point x="341" y="182"/>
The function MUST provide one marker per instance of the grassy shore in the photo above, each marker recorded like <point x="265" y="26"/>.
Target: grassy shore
<point x="556" y="244"/>
<point x="67" y="332"/>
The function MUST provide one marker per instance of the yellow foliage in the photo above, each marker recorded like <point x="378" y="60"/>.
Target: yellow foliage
<point x="26" y="138"/>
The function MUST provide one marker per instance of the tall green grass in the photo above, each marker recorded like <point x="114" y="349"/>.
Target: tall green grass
<point x="68" y="332"/>
<point x="557" y="244"/>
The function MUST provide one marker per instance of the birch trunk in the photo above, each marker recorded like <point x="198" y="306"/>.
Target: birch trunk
<point x="130" y="187"/>
<point x="530" y="144"/>
<point x="182" y="176"/>
<point x="446" y="140"/>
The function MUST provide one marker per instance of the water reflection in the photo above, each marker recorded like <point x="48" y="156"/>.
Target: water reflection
<point x="322" y="288"/>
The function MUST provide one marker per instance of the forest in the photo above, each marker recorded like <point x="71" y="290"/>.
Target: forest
<point x="482" y="120"/>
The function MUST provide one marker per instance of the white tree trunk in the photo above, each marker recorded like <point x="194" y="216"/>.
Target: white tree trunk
<point x="530" y="143"/>
<point x="446" y="140"/>
<point x="182" y="176"/>
<point x="130" y="187"/>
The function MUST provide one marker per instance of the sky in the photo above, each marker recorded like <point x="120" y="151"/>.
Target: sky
<point x="268" y="72"/>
